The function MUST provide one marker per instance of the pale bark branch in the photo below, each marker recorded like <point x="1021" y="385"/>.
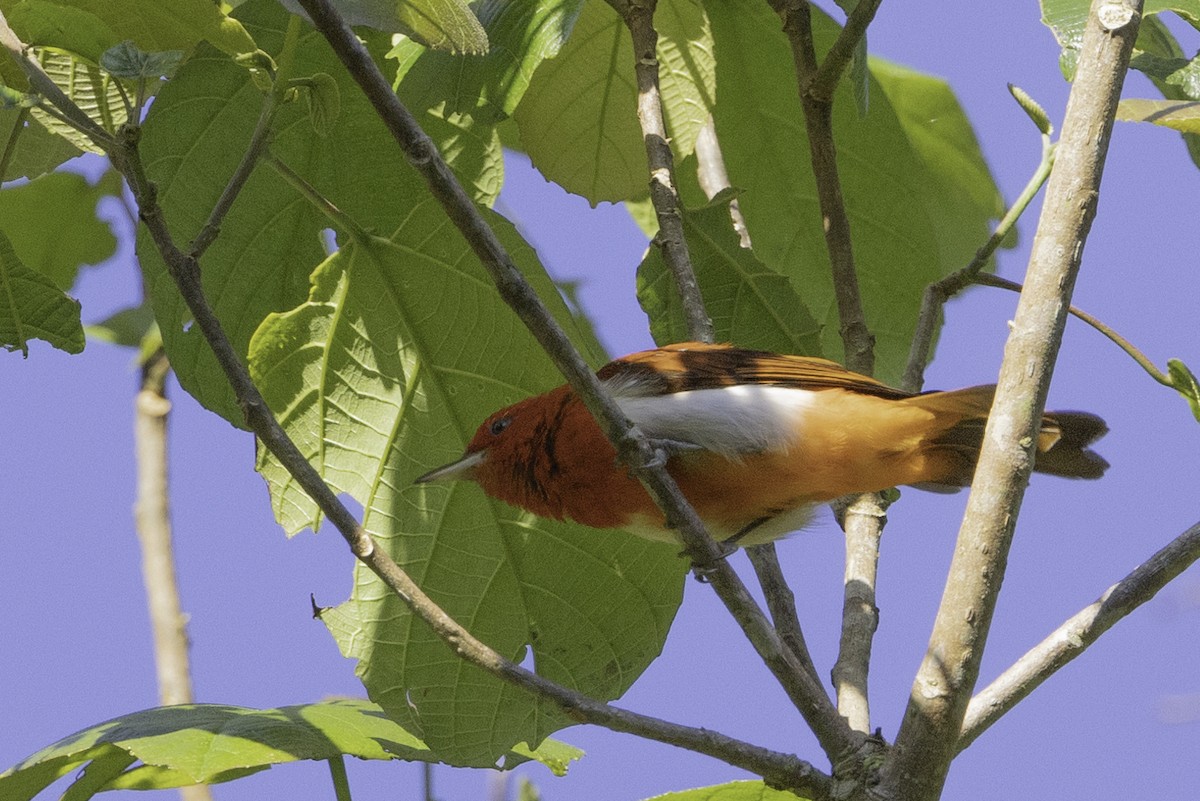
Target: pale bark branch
<point x="1074" y="636"/>
<point x="152" y="518"/>
<point x="713" y="177"/>
<point x="864" y="521"/>
<point x="664" y="195"/>
<point x="927" y="741"/>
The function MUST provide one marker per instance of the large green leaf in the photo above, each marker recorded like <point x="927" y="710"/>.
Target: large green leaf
<point x="37" y="150"/>
<point x="401" y="350"/>
<point x="193" y="141"/>
<point x="578" y="119"/>
<point x="522" y="35"/>
<point x="53" y="226"/>
<point x="750" y="304"/>
<point x="441" y="24"/>
<point x="212" y="743"/>
<point x="89" y="27"/>
<point x="32" y="307"/>
<point x="1068" y="18"/>
<point x="900" y="178"/>
<point x="733" y="791"/>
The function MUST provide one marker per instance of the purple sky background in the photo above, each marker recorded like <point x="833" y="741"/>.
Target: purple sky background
<point x="75" y="646"/>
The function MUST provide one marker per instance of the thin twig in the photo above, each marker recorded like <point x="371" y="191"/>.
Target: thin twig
<point x="825" y="81"/>
<point x="940" y="291"/>
<point x="713" y="178"/>
<point x="1121" y="342"/>
<point x="781" y="602"/>
<point x="1074" y="636"/>
<point x="644" y="459"/>
<point x="818" y="119"/>
<point x="639" y="18"/>
<point x="916" y="768"/>
<point x="256" y="146"/>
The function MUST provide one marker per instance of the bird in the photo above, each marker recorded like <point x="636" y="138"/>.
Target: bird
<point x="755" y="440"/>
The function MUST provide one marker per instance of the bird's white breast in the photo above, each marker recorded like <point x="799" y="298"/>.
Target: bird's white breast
<point x="733" y="421"/>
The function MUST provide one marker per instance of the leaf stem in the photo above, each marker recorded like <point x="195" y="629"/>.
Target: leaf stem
<point x="10" y="144"/>
<point x="341" y="782"/>
<point x="336" y="216"/>
<point x="937" y="293"/>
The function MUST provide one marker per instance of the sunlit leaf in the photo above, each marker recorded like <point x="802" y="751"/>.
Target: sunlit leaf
<point x="32" y="307"/>
<point x="1180" y="115"/>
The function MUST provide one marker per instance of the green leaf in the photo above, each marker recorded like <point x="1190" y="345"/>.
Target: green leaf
<point x="441" y="24"/>
<point x="324" y="102"/>
<point x="578" y="119"/>
<point x="919" y="196"/>
<point x="37" y="150"/>
<point x="487" y="88"/>
<point x="1032" y="109"/>
<point x="125" y="60"/>
<point x="1185" y="383"/>
<point x="268" y="247"/>
<point x="87" y="28"/>
<point x="53" y="227"/>
<point x="1068" y="18"/>
<point x="1160" y="57"/>
<point x="127" y="327"/>
<point x="401" y="350"/>
<point x="750" y="304"/>
<point x="733" y="791"/>
<point x="213" y="743"/>
<point x="94" y="91"/>
<point x="32" y="307"/>
<point x="1181" y="115"/>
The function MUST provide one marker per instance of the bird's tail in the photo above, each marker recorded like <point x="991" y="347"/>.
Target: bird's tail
<point x="1062" y="446"/>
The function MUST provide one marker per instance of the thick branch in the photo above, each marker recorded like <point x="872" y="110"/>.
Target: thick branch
<point x="928" y="737"/>
<point x="152" y="517"/>
<point x="664" y="196"/>
<point x="832" y="732"/>
<point x="1074" y="636"/>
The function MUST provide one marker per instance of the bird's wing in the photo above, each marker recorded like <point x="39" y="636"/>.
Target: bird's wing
<point x="694" y="365"/>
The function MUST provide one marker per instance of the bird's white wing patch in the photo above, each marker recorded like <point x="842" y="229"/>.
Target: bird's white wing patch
<point x="733" y="421"/>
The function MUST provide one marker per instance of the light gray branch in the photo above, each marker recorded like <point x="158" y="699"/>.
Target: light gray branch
<point x="928" y="737"/>
<point x="1074" y="636"/>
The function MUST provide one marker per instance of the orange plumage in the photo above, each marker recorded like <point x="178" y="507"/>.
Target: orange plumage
<point x="757" y="440"/>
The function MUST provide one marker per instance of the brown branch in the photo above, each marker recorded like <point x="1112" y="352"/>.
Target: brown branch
<point x="818" y="119"/>
<point x="1074" y="636"/>
<point x="927" y="741"/>
<point x="643" y="458"/>
<point x="639" y="18"/>
<point x="825" y="81"/>
<point x="781" y="602"/>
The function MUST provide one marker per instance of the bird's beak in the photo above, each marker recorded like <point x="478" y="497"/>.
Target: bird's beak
<point x="463" y="468"/>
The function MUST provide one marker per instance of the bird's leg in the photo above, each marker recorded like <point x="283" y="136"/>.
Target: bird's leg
<point x="664" y="449"/>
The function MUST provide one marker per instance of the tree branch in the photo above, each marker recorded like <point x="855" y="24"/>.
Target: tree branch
<point x="937" y="293"/>
<point x="818" y="119"/>
<point x="781" y="602"/>
<point x="645" y="460"/>
<point x="864" y="521"/>
<point x="917" y="766"/>
<point x="1074" y="636"/>
<point x="639" y="18"/>
<point x="825" y="81"/>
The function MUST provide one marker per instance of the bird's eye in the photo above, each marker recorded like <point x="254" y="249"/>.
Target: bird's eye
<point x="498" y="426"/>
